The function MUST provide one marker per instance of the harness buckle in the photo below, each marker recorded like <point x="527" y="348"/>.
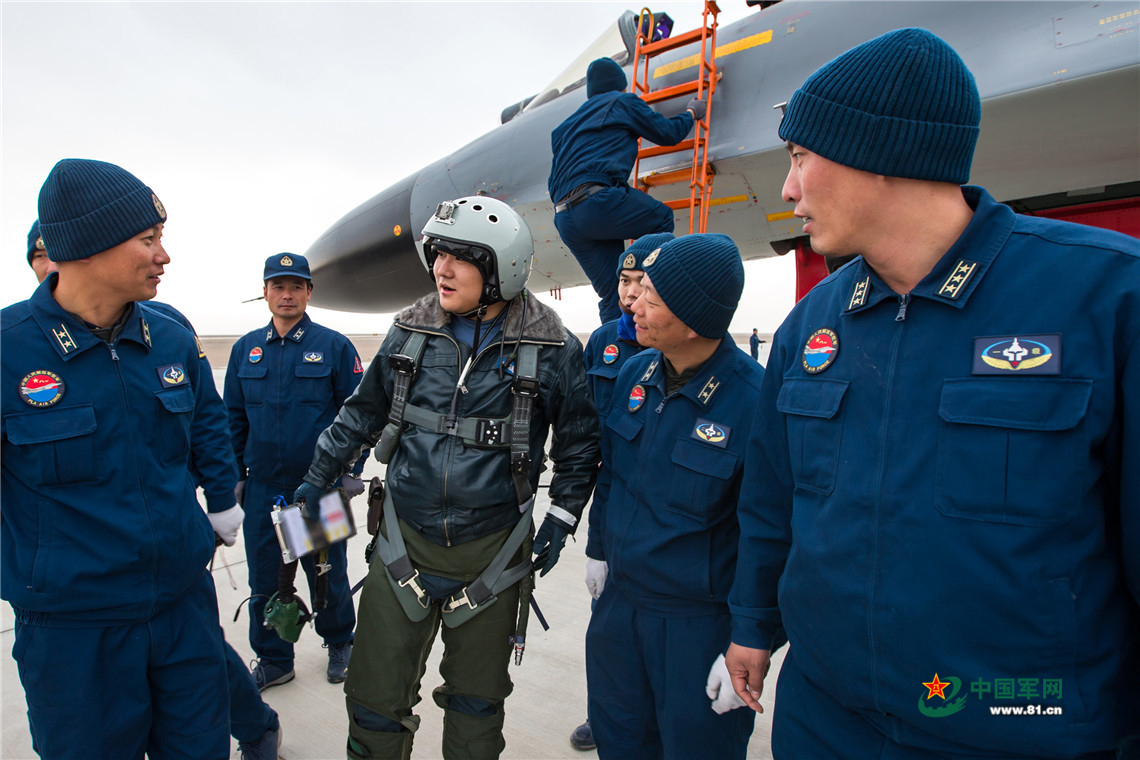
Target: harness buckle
<point x="412" y="582"/>
<point x="489" y="432"/>
<point x="457" y="601"/>
<point x="526" y="387"/>
<point x="402" y="364"/>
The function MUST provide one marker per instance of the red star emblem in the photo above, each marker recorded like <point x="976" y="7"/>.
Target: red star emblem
<point x="936" y="687"/>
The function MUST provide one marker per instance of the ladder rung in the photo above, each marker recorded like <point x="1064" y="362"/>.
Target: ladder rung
<point x="668" y="178"/>
<point x="671" y="43"/>
<point x="662" y="150"/>
<point x="675" y="91"/>
<point x="682" y="203"/>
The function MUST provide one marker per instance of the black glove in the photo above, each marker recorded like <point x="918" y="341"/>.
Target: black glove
<point x="698" y="107"/>
<point x="548" y="543"/>
<point x="311" y="496"/>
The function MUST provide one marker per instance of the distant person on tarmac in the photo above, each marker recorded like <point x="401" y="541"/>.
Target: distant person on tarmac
<point x="596" y="210"/>
<point x="754" y="345"/>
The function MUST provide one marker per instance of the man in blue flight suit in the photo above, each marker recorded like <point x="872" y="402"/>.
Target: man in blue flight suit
<point x="663" y="520"/>
<point x="607" y="350"/>
<point x="596" y="210"/>
<point x="252" y="722"/>
<point x="754" y="345"/>
<point x="103" y="542"/>
<point x="943" y="503"/>
<point x="284" y="385"/>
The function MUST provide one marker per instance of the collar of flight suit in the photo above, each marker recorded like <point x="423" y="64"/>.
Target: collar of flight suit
<point x="68" y="335"/>
<point x="957" y="274"/>
<point x="295" y="334"/>
<point x="704" y="385"/>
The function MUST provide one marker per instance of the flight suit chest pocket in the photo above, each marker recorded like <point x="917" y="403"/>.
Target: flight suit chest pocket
<point x="815" y="430"/>
<point x="312" y="384"/>
<point x="626" y="428"/>
<point x="1013" y="450"/>
<point x="56" y="447"/>
<point x="252" y="377"/>
<point x="700" y="480"/>
<point x="174" y="419"/>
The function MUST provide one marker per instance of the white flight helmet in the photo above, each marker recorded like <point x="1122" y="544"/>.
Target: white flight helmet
<point x="489" y="234"/>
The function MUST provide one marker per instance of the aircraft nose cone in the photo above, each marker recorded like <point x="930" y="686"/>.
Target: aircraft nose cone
<point x="367" y="262"/>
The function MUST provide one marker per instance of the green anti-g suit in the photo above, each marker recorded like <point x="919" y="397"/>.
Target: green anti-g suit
<point x="456" y="504"/>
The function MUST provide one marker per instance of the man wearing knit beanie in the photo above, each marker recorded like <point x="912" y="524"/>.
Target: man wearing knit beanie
<point x="663" y="520"/>
<point x="38" y="259"/>
<point x="607" y="350"/>
<point x="104" y="543"/>
<point x="942" y="504"/>
<point x="594" y="150"/>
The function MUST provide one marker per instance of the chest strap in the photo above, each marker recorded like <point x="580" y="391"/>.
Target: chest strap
<point x="469" y="600"/>
<point x="405" y="365"/>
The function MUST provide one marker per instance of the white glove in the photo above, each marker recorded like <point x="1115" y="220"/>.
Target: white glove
<point x="719" y="688"/>
<point x="227" y="524"/>
<point x="352" y="484"/>
<point x="596" y="573"/>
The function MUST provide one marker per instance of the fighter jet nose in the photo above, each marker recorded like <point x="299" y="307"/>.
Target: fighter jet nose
<point x="367" y="262"/>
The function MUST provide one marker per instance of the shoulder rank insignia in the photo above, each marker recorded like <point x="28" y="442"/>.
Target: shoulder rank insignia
<point x="610" y="353"/>
<point x="706" y="394"/>
<point x="297" y="335"/>
<point x="649" y="371"/>
<point x="1025" y="354"/>
<point x="41" y="388"/>
<point x="859" y="294"/>
<point x="201" y="351"/>
<point x="357" y="368"/>
<point x="171" y="375"/>
<point x="314" y="357"/>
<point x="636" y="398"/>
<point x="255" y="355"/>
<point x="956" y="282"/>
<point x="820" y="350"/>
<point x="711" y="432"/>
<point x="64" y="338"/>
<point x="145" y="331"/>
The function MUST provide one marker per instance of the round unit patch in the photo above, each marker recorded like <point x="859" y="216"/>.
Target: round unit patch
<point x="255" y="355"/>
<point x="610" y="353"/>
<point x="820" y="350"/>
<point x="636" y="398"/>
<point x="42" y="388"/>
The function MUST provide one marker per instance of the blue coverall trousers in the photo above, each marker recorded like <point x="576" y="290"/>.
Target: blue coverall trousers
<point x="334" y="623"/>
<point x="250" y="717"/>
<point x="115" y="692"/>
<point x="646" y="677"/>
<point x="596" y="229"/>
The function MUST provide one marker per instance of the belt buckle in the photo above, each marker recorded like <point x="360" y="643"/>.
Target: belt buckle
<point x="411" y="582"/>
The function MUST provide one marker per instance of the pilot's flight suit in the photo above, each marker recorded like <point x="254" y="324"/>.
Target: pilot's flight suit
<point x="281" y="392"/>
<point x="664" y="519"/>
<point x="945" y="488"/>
<point x="606" y="353"/>
<point x="104" y="546"/>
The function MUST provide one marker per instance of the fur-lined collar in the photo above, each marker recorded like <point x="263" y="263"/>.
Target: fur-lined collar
<point x="542" y="322"/>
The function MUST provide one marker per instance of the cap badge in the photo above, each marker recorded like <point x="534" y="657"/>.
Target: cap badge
<point x="40" y="244"/>
<point x="636" y="398"/>
<point x="158" y="207"/>
<point x="255" y="355"/>
<point x="820" y="350"/>
<point x="42" y="388"/>
<point x="651" y="258"/>
<point x="286" y="261"/>
<point x="629" y="262"/>
<point x="610" y="354"/>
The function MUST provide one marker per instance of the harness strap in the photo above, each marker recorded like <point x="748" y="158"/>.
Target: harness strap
<point x="524" y="391"/>
<point x="403" y="576"/>
<point x="475" y="431"/>
<point x="405" y="365"/>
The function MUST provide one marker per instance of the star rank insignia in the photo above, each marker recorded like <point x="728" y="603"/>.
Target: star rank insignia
<point x="956" y="282"/>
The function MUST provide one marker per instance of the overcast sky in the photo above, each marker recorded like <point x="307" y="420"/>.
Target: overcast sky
<point x="260" y="124"/>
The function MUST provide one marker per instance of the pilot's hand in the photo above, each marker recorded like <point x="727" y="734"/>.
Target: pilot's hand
<point x="352" y="484"/>
<point x="227" y="523"/>
<point x="239" y="493"/>
<point x="548" y="543"/>
<point x="596" y="573"/>
<point x="697" y="107"/>
<point x="311" y="496"/>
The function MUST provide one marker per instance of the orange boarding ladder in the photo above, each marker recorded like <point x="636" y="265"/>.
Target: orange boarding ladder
<point x="700" y="174"/>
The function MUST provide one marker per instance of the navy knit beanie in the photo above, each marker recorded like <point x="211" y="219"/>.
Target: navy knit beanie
<point x="634" y="256"/>
<point x="87" y="207"/>
<point x="35" y="242"/>
<point x="901" y="105"/>
<point x="700" y="278"/>
<point x="604" y="75"/>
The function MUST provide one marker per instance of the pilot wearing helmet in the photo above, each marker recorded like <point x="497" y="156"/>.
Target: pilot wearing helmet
<point x="459" y="402"/>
